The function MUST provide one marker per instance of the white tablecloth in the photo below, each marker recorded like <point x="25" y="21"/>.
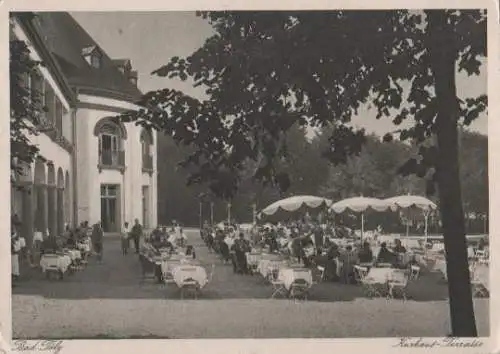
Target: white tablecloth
<point x="55" y="262"/>
<point x="379" y="275"/>
<point x="441" y="267"/>
<point x="289" y="275"/>
<point x="73" y="254"/>
<point x="253" y="258"/>
<point x="182" y="273"/>
<point x="482" y="275"/>
<point x="266" y="266"/>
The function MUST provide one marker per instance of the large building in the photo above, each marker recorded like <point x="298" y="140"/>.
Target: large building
<point x="91" y="167"/>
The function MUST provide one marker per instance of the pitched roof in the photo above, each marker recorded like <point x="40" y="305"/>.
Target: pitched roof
<point x="69" y="42"/>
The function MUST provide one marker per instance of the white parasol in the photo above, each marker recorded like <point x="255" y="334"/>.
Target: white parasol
<point x="359" y="205"/>
<point x="295" y="203"/>
<point x="412" y="201"/>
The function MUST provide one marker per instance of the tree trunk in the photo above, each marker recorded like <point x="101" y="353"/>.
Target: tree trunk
<point x="443" y="56"/>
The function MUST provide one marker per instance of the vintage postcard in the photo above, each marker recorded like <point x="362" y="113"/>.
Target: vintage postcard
<point x="249" y="177"/>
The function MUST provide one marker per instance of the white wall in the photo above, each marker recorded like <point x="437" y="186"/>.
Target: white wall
<point x="49" y="79"/>
<point x="131" y="181"/>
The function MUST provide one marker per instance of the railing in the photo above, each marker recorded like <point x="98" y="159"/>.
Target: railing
<point x="112" y="159"/>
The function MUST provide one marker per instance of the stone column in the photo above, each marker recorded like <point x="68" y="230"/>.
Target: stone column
<point x="52" y="210"/>
<point x="27" y="218"/>
<point x="60" y="211"/>
<point x="41" y="222"/>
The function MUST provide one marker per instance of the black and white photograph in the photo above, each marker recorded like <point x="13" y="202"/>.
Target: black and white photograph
<point x="238" y="174"/>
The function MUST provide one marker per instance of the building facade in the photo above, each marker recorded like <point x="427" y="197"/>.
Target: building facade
<point x="91" y="167"/>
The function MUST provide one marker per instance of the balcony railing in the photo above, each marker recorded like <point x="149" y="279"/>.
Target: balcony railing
<point x="147" y="163"/>
<point x="112" y="160"/>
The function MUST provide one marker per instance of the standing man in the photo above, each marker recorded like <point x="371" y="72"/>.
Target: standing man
<point x="125" y="238"/>
<point x="97" y="238"/>
<point x="136" y="234"/>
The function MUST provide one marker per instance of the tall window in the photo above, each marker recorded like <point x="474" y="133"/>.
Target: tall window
<point x="50" y="103"/>
<point x="59" y="116"/>
<point x="95" y="60"/>
<point x="110" y="137"/>
<point x="146" y="146"/>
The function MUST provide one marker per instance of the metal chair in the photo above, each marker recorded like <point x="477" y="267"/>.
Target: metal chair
<point x="397" y="282"/>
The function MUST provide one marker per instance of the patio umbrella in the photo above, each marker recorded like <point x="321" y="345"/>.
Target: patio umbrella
<point x="359" y="205"/>
<point x="412" y="201"/>
<point x="294" y="204"/>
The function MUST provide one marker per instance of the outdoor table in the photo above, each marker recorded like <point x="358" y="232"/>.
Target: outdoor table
<point x="73" y="254"/>
<point x="441" y="267"/>
<point x="184" y="273"/>
<point x="55" y="262"/>
<point x="268" y="267"/>
<point x="380" y="275"/>
<point x="289" y="275"/>
<point x="481" y="274"/>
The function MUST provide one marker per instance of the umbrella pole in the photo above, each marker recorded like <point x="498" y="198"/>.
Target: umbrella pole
<point x="362" y="225"/>
<point x="425" y="227"/>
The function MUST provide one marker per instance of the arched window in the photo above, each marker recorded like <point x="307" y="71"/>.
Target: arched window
<point x="147" y="147"/>
<point x="110" y="136"/>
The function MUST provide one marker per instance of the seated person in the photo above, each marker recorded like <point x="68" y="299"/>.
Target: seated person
<point x="398" y="248"/>
<point x="50" y="245"/>
<point x="190" y="251"/>
<point x="349" y="259"/>
<point x="331" y="265"/>
<point x="365" y="254"/>
<point x="384" y="255"/>
<point x="156" y="237"/>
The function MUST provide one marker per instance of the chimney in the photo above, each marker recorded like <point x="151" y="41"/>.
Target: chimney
<point x="123" y="65"/>
<point x="132" y="77"/>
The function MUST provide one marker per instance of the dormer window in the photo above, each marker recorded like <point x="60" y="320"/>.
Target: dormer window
<point x="93" y="56"/>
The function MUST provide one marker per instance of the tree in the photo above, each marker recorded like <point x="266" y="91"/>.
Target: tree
<point x="474" y="173"/>
<point x="266" y="71"/>
<point x="26" y="106"/>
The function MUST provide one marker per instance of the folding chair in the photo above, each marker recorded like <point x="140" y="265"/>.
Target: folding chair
<point x="397" y="282"/>
<point x="370" y="286"/>
<point x="414" y="272"/>
<point x="360" y="272"/>
<point x="299" y="289"/>
<point x="278" y="288"/>
<point x="190" y="285"/>
<point x="478" y="288"/>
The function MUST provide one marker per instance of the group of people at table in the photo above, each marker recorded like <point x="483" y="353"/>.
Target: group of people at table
<point x="52" y="253"/>
<point x="308" y="244"/>
<point x="166" y="254"/>
<point x="335" y="252"/>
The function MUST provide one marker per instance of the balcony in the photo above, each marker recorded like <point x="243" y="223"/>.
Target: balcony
<point x="113" y="160"/>
<point x="147" y="163"/>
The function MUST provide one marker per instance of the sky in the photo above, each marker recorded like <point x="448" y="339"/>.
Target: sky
<point x="150" y="39"/>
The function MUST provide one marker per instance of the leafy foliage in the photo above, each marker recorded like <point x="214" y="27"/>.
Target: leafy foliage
<point x="266" y="71"/>
<point x="25" y="104"/>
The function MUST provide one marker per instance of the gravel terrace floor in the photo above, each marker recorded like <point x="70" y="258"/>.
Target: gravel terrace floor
<point x="110" y="300"/>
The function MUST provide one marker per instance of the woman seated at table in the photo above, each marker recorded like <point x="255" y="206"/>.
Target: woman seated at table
<point x="348" y="259"/>
<point x="365" y="254"/>
<point x="398" y="247"/>
<point x="384" y="255"/>
<point x="224" y="250"/>
<point x="331" y="265"/>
